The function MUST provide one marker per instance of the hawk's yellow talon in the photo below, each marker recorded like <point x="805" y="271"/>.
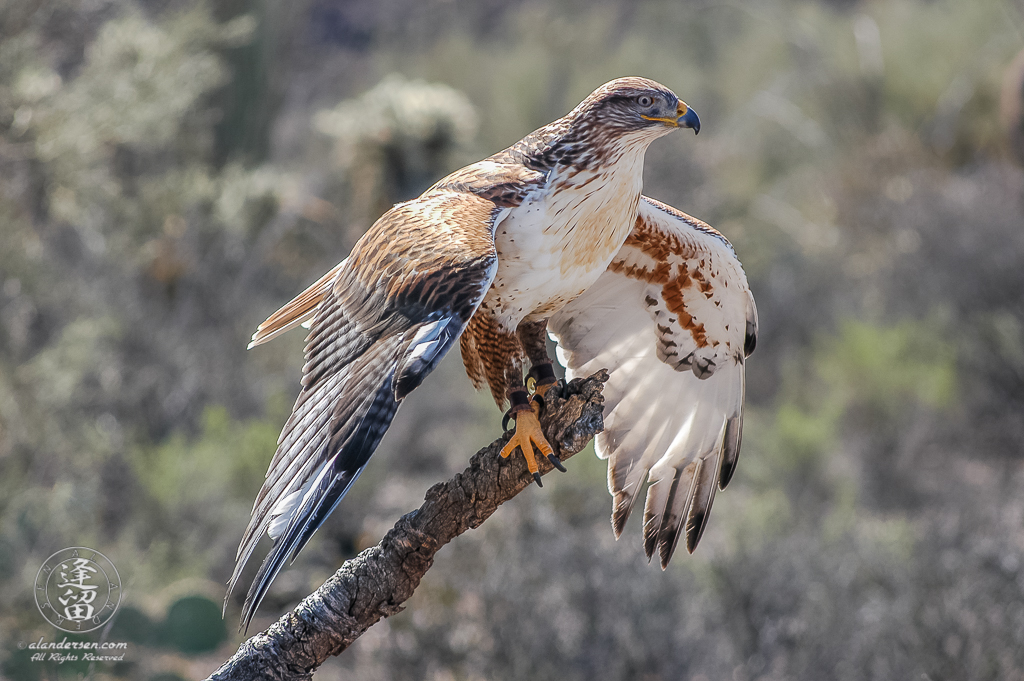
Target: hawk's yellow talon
<point x="528" y="434"/>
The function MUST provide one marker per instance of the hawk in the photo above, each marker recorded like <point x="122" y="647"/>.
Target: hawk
<point x="551" y="236"/>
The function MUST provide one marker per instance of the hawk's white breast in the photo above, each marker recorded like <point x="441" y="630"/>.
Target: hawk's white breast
<point x="555" y="245"/>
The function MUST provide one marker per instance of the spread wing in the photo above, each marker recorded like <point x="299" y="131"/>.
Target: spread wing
<point x="381" y="321"/>
<point x="672" y="319"/>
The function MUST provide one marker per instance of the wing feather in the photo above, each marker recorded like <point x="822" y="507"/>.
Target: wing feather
<point x="672" y="319"/>
<point x="381" y="321"/>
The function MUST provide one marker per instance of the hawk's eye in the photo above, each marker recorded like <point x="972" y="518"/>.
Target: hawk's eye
<point x="644" y="101"/>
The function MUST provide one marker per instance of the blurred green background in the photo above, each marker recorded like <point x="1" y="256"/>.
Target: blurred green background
<point x="171" y="172"/>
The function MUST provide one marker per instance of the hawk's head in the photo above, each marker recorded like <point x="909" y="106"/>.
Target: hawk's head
<point x="636" y="108"/>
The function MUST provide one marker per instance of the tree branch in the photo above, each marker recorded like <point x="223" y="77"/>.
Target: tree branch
<point x="375" y="583"/>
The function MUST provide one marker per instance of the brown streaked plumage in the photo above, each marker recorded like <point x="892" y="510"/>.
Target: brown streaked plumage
<point x="549" y="235"/>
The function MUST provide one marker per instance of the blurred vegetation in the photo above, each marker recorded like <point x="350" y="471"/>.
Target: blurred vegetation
<point x="174" y="171"/>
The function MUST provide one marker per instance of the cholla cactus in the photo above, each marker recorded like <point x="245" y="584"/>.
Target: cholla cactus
<point x="1012" y="108"/>
<point x="397" y="139"/>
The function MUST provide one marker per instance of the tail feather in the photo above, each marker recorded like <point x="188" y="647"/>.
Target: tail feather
<point x="299" y="310"/>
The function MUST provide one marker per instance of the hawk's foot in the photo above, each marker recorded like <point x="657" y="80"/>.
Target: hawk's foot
<point x="528" y="434"/>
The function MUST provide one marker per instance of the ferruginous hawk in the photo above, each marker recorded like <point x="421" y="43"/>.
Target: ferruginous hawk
<point x="550" y="236"/>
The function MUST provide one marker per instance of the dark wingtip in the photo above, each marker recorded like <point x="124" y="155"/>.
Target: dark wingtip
<point x="622" y="506"/>
<point x="650" y="541"/>
<point x="619" y="522"/>
<point x="728" y="468"/>
<point x="731" y="450"/>
<point x="695" y="530"/>
<point x="669" y="539"/>
<point x="248" y="612"/>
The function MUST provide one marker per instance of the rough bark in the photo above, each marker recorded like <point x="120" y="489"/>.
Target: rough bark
<point x="375" y="583"/>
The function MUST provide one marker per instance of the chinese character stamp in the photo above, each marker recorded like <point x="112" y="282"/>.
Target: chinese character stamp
<point x="77" y="589"/>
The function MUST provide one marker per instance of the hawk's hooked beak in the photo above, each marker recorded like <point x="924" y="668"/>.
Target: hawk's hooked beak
<point x="688" y="118"/>
<point x="685" y="118"/>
